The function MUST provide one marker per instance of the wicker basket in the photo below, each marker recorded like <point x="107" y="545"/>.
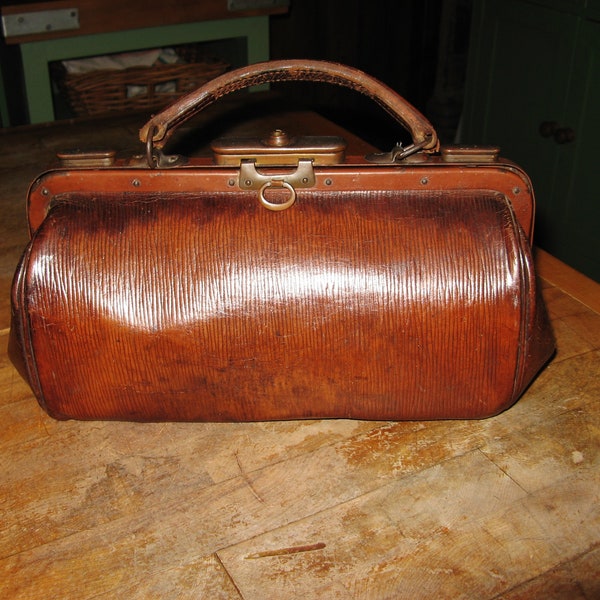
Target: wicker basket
<point x="108" y="91"/>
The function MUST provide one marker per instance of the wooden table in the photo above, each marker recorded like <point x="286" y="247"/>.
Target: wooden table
<point x="502" y="508"/>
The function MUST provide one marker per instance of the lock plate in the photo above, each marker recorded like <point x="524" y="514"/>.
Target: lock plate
<point x="279" y="149"/>
<point x="251" y="179"/>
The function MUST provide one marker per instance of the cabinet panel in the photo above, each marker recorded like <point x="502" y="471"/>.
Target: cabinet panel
<point x="579" y="233"/>
<point x="593" y="10"/>
<point x="575" y="6"/>
<point x="526" y="68"/>
<point x="524" y="57"/>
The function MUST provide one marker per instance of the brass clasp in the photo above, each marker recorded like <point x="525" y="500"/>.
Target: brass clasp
<point x="277" y="205"/>
<point x="251" y="179"/>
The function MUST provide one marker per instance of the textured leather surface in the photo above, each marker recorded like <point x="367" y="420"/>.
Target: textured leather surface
<point x="379" y="305"/>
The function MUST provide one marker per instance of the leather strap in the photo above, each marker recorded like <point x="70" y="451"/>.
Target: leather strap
<point x="165" y="123"/>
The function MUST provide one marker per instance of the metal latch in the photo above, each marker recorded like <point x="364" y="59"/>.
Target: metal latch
<point x="470" y="154"/>
<point x="251" y="179"/>
<point x="77" y="158"/>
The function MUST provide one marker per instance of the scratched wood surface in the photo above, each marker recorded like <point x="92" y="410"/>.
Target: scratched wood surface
<point x="502" y="508"/>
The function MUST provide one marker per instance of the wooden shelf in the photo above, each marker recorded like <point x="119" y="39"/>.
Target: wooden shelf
<point x="105" y="16"/>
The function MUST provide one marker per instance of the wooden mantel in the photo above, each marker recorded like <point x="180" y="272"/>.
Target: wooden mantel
<point x="106" y="16"/>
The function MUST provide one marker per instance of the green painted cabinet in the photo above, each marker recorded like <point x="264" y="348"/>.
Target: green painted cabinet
<point x="533" y="88"/>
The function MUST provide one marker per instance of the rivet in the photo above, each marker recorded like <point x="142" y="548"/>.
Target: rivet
<point x="516" y="190"/>
<point x="425" y="180"/>
<point x="231" y="182"/>
<point x="45" y="191"/>
<point x="136" y="183"/>
<point x="277" y="138"/>
<point x="328" y="182"/>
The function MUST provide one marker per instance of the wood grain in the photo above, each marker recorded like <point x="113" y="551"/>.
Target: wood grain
<point x="506" y="507"/>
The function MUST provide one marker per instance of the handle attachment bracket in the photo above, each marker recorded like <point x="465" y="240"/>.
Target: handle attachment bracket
<point x="397" y="153"/>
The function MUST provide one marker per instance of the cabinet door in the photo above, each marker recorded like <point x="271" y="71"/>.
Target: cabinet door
<point x="521" y="56"/>
<point x="578" y="236"/>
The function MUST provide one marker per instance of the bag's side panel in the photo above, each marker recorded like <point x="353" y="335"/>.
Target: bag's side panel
<point x="18" y="346"/>
<point x="392" y="305"/>
<point x="537" y="343"/>
<point x="20" y="350"/>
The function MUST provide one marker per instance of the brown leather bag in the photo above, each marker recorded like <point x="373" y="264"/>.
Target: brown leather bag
<point x="283" y="281"/>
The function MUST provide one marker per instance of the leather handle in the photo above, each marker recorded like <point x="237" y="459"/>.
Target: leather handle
<point x="162" y="125"/>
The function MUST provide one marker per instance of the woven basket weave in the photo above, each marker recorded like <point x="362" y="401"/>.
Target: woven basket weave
<point x="106" y="91"/>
